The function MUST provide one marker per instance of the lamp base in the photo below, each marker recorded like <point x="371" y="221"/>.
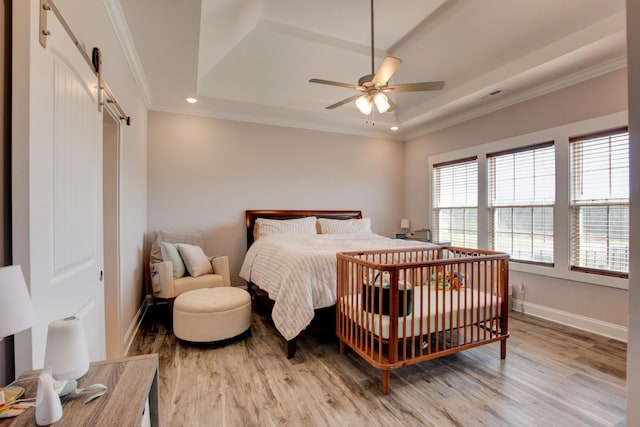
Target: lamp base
<point x="12" y="393"/>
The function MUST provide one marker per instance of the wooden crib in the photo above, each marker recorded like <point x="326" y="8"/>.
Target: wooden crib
<point x="399" y="307"/>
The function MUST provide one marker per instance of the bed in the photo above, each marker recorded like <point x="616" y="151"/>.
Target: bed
<point x="293" y="275"/>
<point x="405" y="306"/>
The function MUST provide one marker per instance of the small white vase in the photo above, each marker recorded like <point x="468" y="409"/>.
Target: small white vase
<point x="48" y="405"/>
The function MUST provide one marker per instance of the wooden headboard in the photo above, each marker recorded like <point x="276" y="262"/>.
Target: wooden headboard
<point x="289" y="214"/>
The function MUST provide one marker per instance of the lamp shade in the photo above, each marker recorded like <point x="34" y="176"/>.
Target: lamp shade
<point x="404" y="223"/>
<point x="67" y="353"/>
<point x="382" y="102"/>
<point x="16" y="311"/>
<point x="364" y="104"/>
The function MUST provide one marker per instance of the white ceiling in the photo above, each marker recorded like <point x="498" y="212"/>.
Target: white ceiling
<point x="251" y="60"/>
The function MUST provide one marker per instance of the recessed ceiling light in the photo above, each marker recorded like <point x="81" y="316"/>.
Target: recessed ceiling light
<point x="394" y="128"/>
<point x="191" y="100"/>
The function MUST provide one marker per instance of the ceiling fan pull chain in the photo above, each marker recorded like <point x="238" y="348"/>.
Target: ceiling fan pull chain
<point x="373" y="117"/>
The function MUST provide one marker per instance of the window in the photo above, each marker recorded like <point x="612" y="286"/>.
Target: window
<point x="521" y="202"/>
<point x="455" y="202"/>
<point x="599" y="192"/>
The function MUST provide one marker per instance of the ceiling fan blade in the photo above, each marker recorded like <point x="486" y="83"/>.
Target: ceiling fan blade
<point x="414" y="87"/>
<point x="332" y="83"/>
<point x="344" y="101"/>
<point x="385" y="71"/>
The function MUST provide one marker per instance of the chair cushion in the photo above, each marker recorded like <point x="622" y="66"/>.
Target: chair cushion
<point x="196" y="262"/>
<point x="170" y="253"/>
<point x="188" y="283"/>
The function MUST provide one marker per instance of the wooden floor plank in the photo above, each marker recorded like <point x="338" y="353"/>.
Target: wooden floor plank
<point x="553" y="375"/>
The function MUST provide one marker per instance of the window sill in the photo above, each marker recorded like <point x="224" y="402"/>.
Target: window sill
<point x="566" y="274"/>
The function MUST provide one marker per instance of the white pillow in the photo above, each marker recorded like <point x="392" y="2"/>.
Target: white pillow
<point x="266" y="226"/>
<point x="195" y="260"/>
<point x="170" y="253"/>
<point x="341" y="226"/>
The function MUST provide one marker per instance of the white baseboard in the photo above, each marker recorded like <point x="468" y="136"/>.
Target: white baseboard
<point x="588" y="324"/>
<point x="130" y="335"/>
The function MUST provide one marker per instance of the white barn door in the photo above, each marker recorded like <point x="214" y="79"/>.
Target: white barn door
<point x="57" y="184"/>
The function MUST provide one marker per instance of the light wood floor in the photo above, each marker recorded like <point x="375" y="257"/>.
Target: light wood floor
<point x="552" y="376"/>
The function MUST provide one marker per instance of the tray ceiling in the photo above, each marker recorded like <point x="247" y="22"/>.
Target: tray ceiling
<point x="251" y="60"/>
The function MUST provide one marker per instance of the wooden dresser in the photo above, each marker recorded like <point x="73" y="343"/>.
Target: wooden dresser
<point x="132" y="382"/>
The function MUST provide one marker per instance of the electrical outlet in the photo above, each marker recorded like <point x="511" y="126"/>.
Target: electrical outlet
<point x="522" y="287"/>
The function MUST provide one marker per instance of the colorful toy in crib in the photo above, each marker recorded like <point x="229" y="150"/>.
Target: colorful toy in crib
<point x="448" y="280"/>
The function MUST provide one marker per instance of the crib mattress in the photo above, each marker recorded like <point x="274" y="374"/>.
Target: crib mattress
<point x="434" y="310"/>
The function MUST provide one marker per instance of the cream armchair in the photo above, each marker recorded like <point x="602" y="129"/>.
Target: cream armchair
<point x="164" y="282"/>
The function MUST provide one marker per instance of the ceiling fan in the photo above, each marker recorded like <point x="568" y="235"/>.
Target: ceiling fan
<point x="374" y="85"/>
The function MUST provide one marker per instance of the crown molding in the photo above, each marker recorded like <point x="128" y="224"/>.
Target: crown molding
<point x="561" y="83"/>
<point x="569" y="80"/>
<point x="119" y="23"/>
<point x="282" y="122"/>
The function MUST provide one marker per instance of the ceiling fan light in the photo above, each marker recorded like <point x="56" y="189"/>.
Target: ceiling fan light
<point x="364" y="104"/>
<point x="382" y="102"/>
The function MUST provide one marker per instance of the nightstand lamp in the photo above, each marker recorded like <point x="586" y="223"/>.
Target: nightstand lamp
<point x="404" y="224"/>
<point x="16" y="315"/>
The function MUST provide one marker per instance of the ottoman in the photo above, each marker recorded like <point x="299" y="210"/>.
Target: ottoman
<point x="211" y="314"/>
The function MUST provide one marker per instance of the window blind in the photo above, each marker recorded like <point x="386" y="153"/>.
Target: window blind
<point x="599" y="197"/>
<point x="455" y="202"/>
<point x="521" y="201"/>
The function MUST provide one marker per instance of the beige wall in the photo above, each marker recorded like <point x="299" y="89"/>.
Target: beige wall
<point x="205" y="173"/>
<point x="593" y="98"/>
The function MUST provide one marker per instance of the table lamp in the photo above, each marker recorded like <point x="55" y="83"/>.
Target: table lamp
<point x="16" y="315"/>
<point x="404" y="224"/>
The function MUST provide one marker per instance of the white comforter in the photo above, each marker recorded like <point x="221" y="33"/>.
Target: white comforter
<point x="298" y="271"/>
